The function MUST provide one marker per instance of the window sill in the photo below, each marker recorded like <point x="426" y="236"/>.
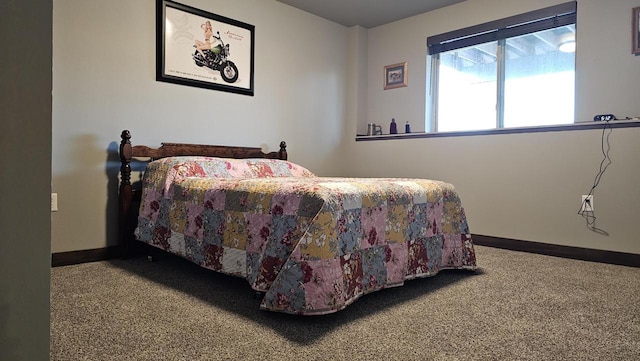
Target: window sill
<point x="551" y="128"/>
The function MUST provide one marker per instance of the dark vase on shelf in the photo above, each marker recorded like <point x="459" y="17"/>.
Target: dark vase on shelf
<point x="393" y="128"/>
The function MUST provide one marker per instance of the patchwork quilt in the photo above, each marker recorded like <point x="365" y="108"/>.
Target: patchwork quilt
<point x="311" y="244"/>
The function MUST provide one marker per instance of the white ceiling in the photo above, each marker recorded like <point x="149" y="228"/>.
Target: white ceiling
<point x="367" y="13"/>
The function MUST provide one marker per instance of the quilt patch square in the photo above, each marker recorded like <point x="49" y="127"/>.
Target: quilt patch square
<point x="234" y="262"/>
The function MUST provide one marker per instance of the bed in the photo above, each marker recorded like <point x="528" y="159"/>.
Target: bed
<point x="306" y="244"/>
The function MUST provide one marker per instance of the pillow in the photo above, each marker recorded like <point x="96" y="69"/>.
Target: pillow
<point x="196" y="166"/>
<point x="172" y="169"/>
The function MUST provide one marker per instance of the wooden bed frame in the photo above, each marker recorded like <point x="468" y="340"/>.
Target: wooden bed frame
<point x="130" y="194"/>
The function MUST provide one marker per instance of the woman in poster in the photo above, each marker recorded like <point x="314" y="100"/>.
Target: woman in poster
<point x="209" y="39"/>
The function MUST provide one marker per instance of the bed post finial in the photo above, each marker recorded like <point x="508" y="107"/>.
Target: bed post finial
<point x="125" y="157"/>
<point x="283" y="150"/>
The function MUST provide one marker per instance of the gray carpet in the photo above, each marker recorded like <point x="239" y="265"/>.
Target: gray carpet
<point x="518" y="306"/>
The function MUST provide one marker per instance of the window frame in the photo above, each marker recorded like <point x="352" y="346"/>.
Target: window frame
<point x="495" y="31"/>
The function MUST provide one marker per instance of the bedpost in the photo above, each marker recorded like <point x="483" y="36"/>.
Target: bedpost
<point x="283" y="150"/>
<point x="125" y="194"/>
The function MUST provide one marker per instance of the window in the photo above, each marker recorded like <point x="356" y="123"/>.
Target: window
<point x="513" y="72"/>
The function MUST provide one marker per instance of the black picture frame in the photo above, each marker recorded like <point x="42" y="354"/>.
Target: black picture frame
<point x="201" y="49"/>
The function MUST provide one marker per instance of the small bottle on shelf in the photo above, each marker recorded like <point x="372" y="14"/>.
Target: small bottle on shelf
<point x="407" y="128"/>
<point x="393" y="128"/>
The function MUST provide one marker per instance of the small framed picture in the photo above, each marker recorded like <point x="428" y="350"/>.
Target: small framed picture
<point x="395" y="76"/>
<point x="635" y="31"/>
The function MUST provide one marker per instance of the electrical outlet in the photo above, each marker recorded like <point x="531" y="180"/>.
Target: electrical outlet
<point x="54" y="202"/>
<point x="587" y="203"/>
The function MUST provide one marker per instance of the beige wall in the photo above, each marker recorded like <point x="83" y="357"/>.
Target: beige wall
<point x="104" y="82"/>
<point x="317" y="84"/>
<point x="25" y="179"/>
<point x="525" y="186"/>
<point x="521" y="186"/>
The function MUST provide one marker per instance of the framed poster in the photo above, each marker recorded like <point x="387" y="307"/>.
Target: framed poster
<point x="395" y="76"/>
<point x="202" y="49"/>
<point x="635" y="31"/>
